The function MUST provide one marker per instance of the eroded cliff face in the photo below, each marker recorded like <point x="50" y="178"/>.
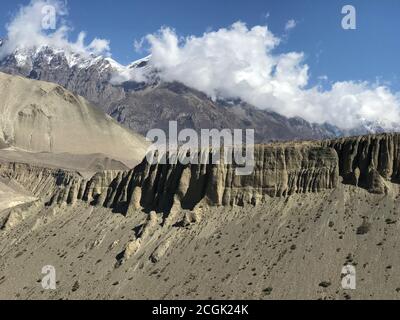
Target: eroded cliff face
<point x="57" y="186"/>
<point x="369" y="161"/>
<point x="41" y="182"/>
<point x="281" y="170"/>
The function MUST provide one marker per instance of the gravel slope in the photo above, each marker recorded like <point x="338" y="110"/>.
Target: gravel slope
<point x="291" y="248"/>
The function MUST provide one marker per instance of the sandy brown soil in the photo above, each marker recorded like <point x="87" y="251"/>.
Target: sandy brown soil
<point x="291" y="248"/>
<point x="39" y="117"/>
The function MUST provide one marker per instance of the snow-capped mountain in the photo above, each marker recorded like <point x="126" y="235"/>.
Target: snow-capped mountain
<point x="368" y="127"/>
<point x="87" y="75"/>
<point x="147" y="102"/>
<point x="28" y="58"/>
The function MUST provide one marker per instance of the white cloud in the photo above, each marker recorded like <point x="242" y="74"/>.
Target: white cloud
<point x="238" y="62"/>
<point x="99" y="46"/>
<point x="26" y="31"/>
<point x="234" y="62"/>
<point x="291" y="24"/>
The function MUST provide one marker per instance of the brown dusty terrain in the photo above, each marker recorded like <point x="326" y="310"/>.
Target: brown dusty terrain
<point x="293" y="246"/>
<point x="42" y="117"/>
<point x="172" y="231"/>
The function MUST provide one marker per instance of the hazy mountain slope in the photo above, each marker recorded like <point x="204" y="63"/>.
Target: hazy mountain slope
<point x="142" y="106"/>
<point x="44" y="117"/>
<point x="154" y="106"/>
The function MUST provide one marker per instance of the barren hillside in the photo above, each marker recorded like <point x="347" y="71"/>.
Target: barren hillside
<point x="43" y="117"/>
<point x="201" y="232"/>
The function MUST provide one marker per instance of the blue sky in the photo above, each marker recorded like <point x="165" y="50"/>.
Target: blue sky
<point x="241" y="49"/>
<point x="370" y="52"/>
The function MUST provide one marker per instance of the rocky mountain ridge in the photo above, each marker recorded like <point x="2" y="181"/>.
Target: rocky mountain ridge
<point x="142" y="106"/>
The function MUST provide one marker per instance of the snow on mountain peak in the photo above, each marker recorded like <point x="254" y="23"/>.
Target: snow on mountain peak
<point x="139" y="71"/>
<point x="26" y="58"/>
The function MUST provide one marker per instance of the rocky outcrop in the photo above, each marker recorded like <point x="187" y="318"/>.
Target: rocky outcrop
<point x="43" y="183"/>
<point x="369" y="161"/>
<point x="57" y="186"/>
<point x="280" y="170"/>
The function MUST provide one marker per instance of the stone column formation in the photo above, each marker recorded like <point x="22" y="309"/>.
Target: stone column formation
<point x="281" y="169"/>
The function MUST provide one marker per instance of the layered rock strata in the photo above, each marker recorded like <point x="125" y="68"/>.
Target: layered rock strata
<point x="369" y="161"/>
<point x="280" y="170"/>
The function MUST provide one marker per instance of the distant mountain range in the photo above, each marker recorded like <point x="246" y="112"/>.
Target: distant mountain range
<point x="142" y="106"/>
